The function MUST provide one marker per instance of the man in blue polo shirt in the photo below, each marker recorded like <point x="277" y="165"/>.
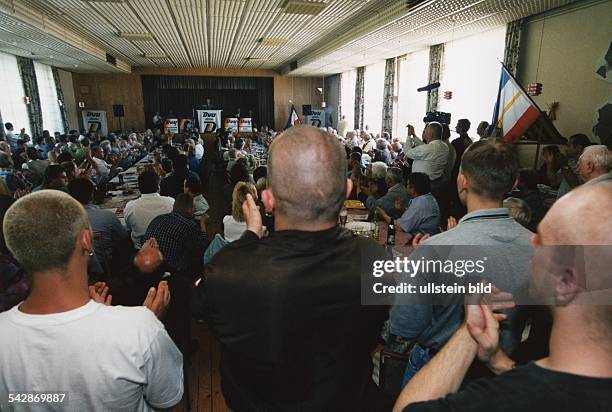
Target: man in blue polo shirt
<point x="487" y="233"/>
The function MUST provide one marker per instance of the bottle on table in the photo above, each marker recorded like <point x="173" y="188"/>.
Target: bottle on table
<point x="391" y="233"/>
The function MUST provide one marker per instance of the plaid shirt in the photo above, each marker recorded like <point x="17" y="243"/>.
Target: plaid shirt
<point x="180" y="241"/>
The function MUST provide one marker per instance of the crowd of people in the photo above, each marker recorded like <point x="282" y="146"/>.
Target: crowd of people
<point x="281" y="282"/>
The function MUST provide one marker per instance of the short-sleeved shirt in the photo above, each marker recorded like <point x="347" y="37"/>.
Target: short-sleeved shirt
<point x="526" y="388"/>
<point x="422" y="215"/>
<point x="108" y="225"/>
<point x="106" y="358"/>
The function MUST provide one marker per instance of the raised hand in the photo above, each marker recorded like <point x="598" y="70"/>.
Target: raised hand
<point x="99" y="293"/>
<point x="157" y="300"/>
<point x="252" y="216"/>
<point x="451" y="223"/>
<point x="418" y="239"/>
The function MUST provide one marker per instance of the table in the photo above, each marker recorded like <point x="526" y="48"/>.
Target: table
<point x="402" y="245"/>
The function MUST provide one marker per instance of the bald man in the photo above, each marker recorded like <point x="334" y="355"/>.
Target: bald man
<point x="287" y="308"/>
<point x="577" y="373"/>
<point x="595" y="164"/>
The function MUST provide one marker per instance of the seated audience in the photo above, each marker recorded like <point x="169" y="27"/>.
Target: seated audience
<point x="102" y="221"/>
<point x="304" y="340"/>
<point x="488" y="171"/>
<point x="519" y="210"/>
<point x="569" y="169"/>
<point x="527" y="184"/>
<point x="140" y="212"/>
<point x="423" y="213"/>
<point x="54" y="178"/>
<point x="552" y="161"/>
<point x="12" y="178"/>
<point x="68" y="339"/>
<point x="396" y="190"/>
<point x="577" y="373"/>
<point x="36" y="166"/>
<point x="181" y="240"/>
<point x="174" y="184"/>
<point x="595" y="165"/>
<point x="193" y="186"/>
<point x="382" y="153"/>
<point x="234" y="225"/>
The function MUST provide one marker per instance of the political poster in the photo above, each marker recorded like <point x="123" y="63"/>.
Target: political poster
<point x="209" y="120"/>
<point x="94" y="121"/>
<point x="317" y="118"/>
<point x="231" y="123"/>
<point x="171" y="126"/>
<point x="245" y="125"/>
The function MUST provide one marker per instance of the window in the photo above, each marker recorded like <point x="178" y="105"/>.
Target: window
<point x="471" y="71"/>
<point x="49" y="105"/>
<point x="413" y="73"/>
<point x="373" y="91"/>
<point x="347" y="96"/>
<point x="12" y="106"/>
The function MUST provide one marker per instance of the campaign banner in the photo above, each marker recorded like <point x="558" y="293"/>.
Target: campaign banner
<point x="95" y="120"/>
<point x="209" y="120"/>
<point x="231" y="123"/>
<point x="245" y="125"/>
<point x="317" y="118"/>
<point x="185" y="124"/>
<point x="171" y="126"/>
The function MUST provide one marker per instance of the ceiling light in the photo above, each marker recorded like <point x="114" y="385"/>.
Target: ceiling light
<point x="268" y="41"/>
<point x="310" y="8"/>
<point x="135" y="36"/>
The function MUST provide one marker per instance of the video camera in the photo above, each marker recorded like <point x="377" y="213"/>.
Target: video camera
<point x="440" y="117"/>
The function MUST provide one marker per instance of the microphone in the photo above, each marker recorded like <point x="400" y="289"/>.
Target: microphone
<point x="429" y="87"/>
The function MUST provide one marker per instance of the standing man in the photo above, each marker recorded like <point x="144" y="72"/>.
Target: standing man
<point x="287" y="309"/>
<point x="158" y="121"/>
<point x="342" y="126"/>
<point x="461" y="143"/>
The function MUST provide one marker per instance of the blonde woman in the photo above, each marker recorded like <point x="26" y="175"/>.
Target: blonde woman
<point x="234" y="225"/>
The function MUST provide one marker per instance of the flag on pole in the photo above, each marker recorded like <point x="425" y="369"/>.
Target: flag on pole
<point x="514" y="110"/>
<point x="293" y="120"/>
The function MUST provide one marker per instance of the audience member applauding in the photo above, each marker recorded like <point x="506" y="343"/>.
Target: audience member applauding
<point x="140" y="212"/>
<point x="394" y="181"/>
<point x="234" y="225"/>
<point x="102" y="221"/>
<point x="64" y="338"/>
<point x="423" y="213"/>
<point x="181" y="240"/>
<point x="287" y="308"/>
<point x="488" y="171"/>
<point x="595" y="165"/>
<point x="577" y="373"/>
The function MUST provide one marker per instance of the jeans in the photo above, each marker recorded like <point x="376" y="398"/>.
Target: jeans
<point x="417" y="359"/>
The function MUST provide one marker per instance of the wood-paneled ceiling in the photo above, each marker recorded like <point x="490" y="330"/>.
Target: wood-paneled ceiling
<point x="297" y="37"/>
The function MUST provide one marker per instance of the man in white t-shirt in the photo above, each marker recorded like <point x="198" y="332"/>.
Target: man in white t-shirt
<point x="102" y="358"/>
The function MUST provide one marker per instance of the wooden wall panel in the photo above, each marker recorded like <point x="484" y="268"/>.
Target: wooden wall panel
<point x="102" y="91"/>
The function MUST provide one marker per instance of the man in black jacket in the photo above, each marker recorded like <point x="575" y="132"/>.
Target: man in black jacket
<point x="287" y="309"/>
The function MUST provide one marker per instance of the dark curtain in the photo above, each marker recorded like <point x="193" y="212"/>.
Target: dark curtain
<point x="60" y="97"/>
<point x="359" y="87"/>
<point x="182" y="94"/>
<point x="513" y="45"/>
<point x="387" y="115"/>
<point x="30" y="88"/>
<point x="436" y="54"/>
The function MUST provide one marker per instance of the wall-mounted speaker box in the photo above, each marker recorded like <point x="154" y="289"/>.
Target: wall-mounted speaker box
<point x="118" y="110"/>
<point x="306" y="110"/>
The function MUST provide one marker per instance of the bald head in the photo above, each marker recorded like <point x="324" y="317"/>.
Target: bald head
<point x="577" y="218"/>
<point x="307" y="174"/>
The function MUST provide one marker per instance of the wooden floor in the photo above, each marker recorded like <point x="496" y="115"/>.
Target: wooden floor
<point x="203" y="374"/>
